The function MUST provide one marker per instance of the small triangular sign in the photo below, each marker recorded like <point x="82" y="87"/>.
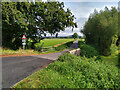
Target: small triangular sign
<point x="24" y="37"/>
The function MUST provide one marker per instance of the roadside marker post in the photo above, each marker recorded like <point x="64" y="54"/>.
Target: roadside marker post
<point x="23" y="41"/>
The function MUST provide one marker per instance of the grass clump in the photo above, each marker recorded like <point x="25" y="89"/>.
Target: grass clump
<point x="70" y="71"/>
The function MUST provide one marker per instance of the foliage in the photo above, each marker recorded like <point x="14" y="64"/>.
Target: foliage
<point x="100" y="29"/>
<point x="81" y="43"/>
<point x="88" y="51"/>
<point x="38" y="46"/>
<point x="56" y="35"/>
<point x="64" y="46"/>
<point x="75" y="35"/>
<point x="70" y="71"/>
<point x="118" y="41"/>
<point x="112" y="59"/>
<point x="33" y="20"/>
<point x="119" y="59"/>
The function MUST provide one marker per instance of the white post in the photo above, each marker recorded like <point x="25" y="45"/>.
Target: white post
<point x="23" y="41"/>
<point x="23" y="47"/>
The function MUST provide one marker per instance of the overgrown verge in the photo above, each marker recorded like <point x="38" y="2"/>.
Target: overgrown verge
<point x="38" y="49"/>
<point x="70" y="71"/>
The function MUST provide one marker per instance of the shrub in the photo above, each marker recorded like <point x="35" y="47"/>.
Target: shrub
<point x="70" y="71"/>
<point x="88" y="51"/>
<point x="28" y="44"/>
<point x="64" y="46"/>
<point x="38" y="46"/>
<point x="82" y="72"/>
<point x="81" y="43"/>
<point x="66" y="57"/>
<point x="98" y="58"/>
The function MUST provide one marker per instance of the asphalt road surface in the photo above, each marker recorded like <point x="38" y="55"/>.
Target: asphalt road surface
<point x="17" y="68"/>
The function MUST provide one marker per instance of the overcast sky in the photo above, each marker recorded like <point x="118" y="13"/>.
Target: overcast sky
<point x="82" y="10"/>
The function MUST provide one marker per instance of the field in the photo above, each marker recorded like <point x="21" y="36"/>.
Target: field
<point x="52" y="42"/>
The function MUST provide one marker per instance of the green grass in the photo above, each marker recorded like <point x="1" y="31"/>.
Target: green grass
<point x="111" y="59"/>
<point x="52" y="42"/>
<point x="20" y="51"/>
<point x="70" y="71"/>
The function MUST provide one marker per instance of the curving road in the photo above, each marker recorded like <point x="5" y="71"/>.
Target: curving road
<point x="15" y="69"/>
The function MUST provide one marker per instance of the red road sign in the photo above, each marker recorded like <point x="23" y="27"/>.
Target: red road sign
<point x="23" y="37"/>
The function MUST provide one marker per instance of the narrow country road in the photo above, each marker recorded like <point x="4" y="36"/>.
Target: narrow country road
<point x="15" y="69"/>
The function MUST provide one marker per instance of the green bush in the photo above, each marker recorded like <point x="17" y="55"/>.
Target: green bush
<point x="81" y="43"/>
<point x="28" y="44"/>
<point x="38" y="46"/>
<point x="81" y="72"/>
<point x="66" y="57"/>
<point x="64" y="46"/>
<point x="88" y="51"/>
<point x="61" y="47"/>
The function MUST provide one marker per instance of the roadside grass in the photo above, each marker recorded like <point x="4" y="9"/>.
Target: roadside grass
<point x="49" y="49"/>
<point x="20" y="51"/>
<point x="70" y="71"/>
<point x="112" y="59"/>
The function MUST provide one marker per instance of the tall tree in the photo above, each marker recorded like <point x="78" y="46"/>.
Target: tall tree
<point x="34" y="20"/>
<point x="75" y="35"/>
<point x="100" y="29"/>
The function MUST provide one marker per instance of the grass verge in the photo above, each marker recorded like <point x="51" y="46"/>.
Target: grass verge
<point x="70" y="71"/>
<point x="30" y="51"/>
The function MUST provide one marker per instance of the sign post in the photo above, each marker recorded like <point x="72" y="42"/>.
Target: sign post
<point x="23" y="41"/>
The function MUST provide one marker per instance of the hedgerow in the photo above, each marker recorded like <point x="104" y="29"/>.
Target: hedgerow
<point x="88" y="51"/>
<point x="64" y="46"/>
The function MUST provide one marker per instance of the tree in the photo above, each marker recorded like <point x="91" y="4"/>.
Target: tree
<point x="56" y="35"/>
<point x="101" y="28"/>
<point x="118" y="41"/>
<point x="75" y="35"/>
<point x="33" y="20"/>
